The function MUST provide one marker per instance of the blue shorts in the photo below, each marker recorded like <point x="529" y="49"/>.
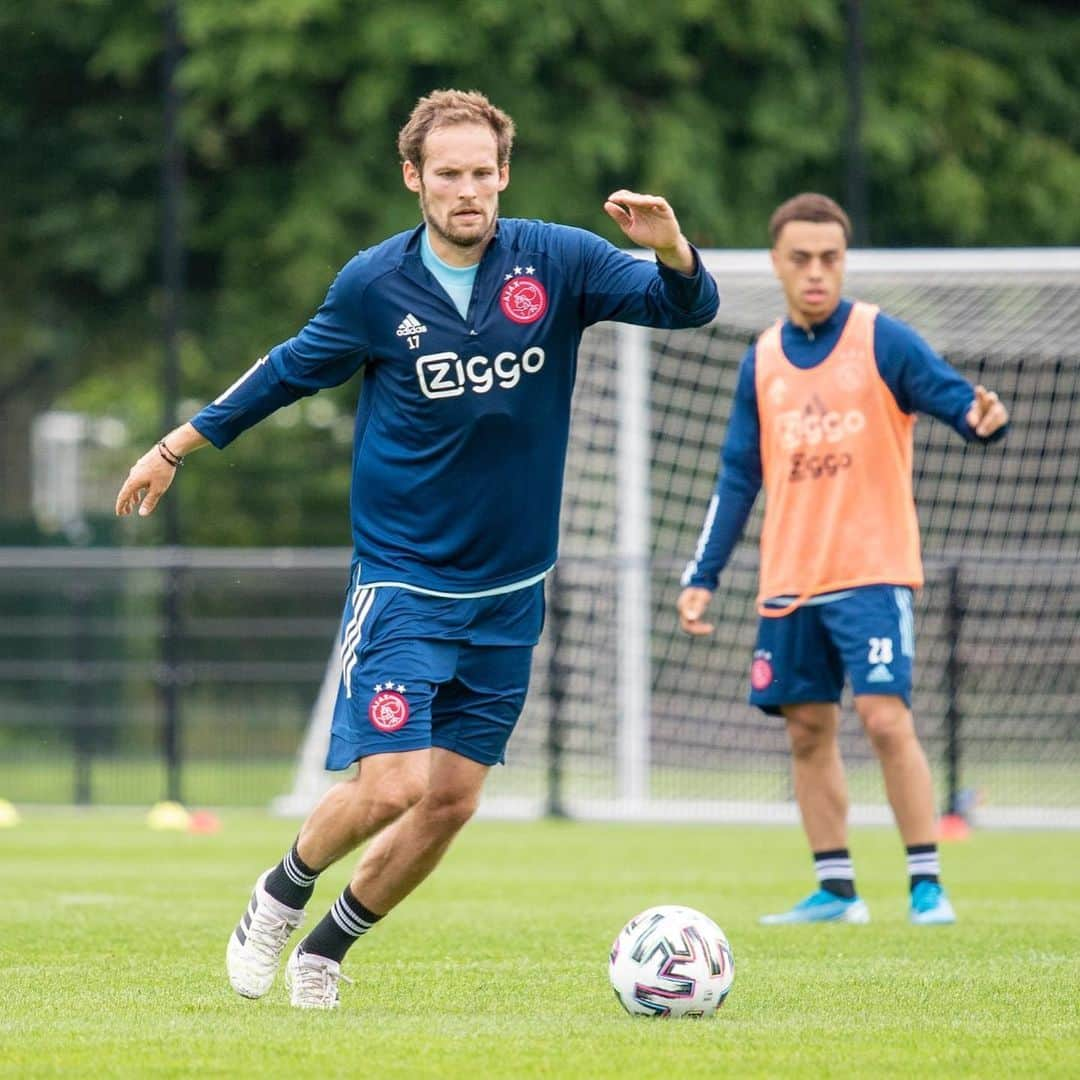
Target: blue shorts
<point x="867" y="633"/>
<point x="421" y="671"/>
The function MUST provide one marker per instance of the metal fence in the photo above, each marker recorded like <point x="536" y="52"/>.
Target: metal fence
<point x="131" y="675"/>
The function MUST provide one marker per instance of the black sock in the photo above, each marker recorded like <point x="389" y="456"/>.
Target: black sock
<point x="292" y="881"/>
<point x="835" y="872"/>
<point x="922" y="863"/>
<point x="347" y="920"/>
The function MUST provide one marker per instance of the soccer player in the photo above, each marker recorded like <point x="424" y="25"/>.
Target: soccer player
<point x="822" y="417"/>
<point x="466" y="331"/>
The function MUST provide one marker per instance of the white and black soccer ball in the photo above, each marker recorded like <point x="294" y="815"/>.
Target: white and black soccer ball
<point x="671" y="961"/>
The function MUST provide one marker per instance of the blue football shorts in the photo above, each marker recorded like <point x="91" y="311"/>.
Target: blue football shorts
<point x="867" y="634"/>
<point x="421" y="671"/>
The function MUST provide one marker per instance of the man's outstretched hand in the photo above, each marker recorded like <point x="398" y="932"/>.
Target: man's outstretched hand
<point x="152" y="474"/>
<point x="147" y="481"/>
<point x="650" y="222"/>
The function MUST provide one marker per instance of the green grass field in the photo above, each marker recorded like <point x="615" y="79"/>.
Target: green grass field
<point x="112" y="958"/>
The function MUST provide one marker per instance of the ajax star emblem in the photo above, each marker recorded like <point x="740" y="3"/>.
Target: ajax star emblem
<point x="388" y="710"/>
<point x="523" y="299"/>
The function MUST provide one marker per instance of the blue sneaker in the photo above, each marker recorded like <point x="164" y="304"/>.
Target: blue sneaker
<point x="822" y="906"/>
<point x="930" y="905"/>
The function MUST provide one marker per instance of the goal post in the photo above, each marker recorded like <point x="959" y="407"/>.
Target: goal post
<point x="632" y="583"/>
<point x="655" y="725"/>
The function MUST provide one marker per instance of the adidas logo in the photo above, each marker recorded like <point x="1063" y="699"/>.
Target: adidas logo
<point x="879" y="674"/>
<point x="410" y="325"/>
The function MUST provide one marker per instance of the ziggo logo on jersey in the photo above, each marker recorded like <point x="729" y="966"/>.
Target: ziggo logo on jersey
<point x="798" y="429"/>
<point x="445" y="374"/>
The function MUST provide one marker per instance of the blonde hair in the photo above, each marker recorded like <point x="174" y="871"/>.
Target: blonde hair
<point x="444" y="108"/>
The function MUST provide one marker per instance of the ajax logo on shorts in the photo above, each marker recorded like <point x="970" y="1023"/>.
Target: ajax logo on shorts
<point x="388" y="710"/>
<point x="761" y="670"/>
<point x="523" y="299"/>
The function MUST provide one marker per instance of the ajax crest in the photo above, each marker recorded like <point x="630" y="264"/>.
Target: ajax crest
<point x="761" y="671"/>
<point x="523" y="300"/>
<point x="388" y="710"/>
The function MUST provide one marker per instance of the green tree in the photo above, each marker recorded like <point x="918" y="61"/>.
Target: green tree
<point x="290" y="114"/>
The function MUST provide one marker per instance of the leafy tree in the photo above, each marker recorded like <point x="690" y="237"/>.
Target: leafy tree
<point x="289" y="122"/>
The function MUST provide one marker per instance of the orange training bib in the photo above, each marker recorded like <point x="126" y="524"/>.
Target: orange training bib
<point x="836" y="456"/>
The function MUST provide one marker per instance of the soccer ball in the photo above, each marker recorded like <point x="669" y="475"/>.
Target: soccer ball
<point x="671" y="961"/>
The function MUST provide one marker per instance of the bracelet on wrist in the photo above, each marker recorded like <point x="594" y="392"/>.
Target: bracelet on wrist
<point x="175" y="460"/>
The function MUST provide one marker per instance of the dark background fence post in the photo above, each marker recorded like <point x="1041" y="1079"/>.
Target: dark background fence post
<point x="856" y="183"/>
<point x="172" y="632"/>
<point x="954" y="616"/>
<point x="556" y="625"/>
<point x="172" y="273"/>
<point x="172" y="248"/>
<point x="80" y="687"/>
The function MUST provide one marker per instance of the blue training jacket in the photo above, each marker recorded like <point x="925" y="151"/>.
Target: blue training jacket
<point x="462" y="424"/>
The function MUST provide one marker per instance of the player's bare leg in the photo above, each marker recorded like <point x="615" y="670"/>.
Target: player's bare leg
<point x="397" y="860"/>
<point x="403" y="855"/>
<point x="822" y="795"/>
<point x="908" y="785"/>
<point x="910" y="790"/>
<point x="384" y="787"/>
<point x="818" y="773"/>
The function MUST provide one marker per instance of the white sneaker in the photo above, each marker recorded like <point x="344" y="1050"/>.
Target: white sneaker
<point x="313" y="980"/>
<point x="256" y="945"/>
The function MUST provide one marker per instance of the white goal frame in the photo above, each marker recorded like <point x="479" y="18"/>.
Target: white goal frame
<point x="632" y="768"/>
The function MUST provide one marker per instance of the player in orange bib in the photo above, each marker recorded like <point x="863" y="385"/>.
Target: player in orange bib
<point x="822" y="418"/>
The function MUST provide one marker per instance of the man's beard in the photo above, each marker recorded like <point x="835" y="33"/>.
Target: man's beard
<point x="461" y="240"/>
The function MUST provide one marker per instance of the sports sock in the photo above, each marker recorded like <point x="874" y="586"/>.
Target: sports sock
<point x="292" y="881"/>
<point x="922" y="863"/>
<point x="346" y="920"/>
<point x="835" y="872"/>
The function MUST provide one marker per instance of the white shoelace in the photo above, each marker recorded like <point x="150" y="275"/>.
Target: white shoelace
<point x="318" y="983"/>
<point x="267" y="935"/>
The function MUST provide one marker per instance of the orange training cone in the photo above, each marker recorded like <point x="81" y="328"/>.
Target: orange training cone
<point x="953" y="827"/>
<point x="202" y="821"/>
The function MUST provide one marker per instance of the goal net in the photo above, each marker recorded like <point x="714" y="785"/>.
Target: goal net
<point x="628" y="717"/>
